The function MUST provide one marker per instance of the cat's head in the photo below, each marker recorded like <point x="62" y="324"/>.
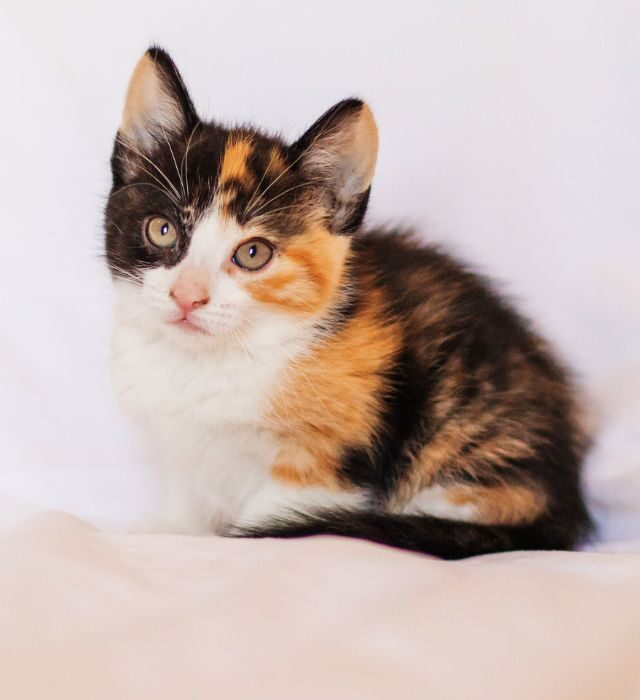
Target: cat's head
<point x="213" y="231"/>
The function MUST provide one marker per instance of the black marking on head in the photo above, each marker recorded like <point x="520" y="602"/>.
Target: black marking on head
<point x="175" y="172"/>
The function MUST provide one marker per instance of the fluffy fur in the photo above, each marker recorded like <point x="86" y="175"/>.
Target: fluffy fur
<point x="360" y="383"/>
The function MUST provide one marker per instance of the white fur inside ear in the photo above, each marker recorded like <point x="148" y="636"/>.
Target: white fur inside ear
<point x="346" y="154"/>
<point x="150" y="109"/>
<point x="359" y="160"/>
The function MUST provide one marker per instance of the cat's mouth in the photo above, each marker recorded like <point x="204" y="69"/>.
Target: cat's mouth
<point x="188" y="326"/>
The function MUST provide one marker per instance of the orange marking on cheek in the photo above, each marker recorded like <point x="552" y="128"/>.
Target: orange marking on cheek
<point x="306" y="274"/>
<point x="315" y="264"/>
<point x="280" y="281"/>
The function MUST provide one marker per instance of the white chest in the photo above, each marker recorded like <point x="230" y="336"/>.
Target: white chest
<point x="155" y="380"/>
<point x="205" y="420"/>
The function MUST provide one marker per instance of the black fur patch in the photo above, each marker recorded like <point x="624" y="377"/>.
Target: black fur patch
<point x="179" y="179"/>
<point x="448" y="539"/>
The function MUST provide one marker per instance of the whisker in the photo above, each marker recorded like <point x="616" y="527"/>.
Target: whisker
<point x="185" y="157"/>
<point x="160" y="187"/>
<point x="321" y="134"/>
<point x="142" y="155"/>
<point x="281" y="194"/>
<point x="141" y="184"/>
<point x="273" y="182"/>
<point x="255" y="191"/>
<point x="272" y="212"/>
<point x="175" y="162"/>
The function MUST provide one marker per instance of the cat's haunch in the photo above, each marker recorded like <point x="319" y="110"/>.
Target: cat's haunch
<point x="294" y="373"/>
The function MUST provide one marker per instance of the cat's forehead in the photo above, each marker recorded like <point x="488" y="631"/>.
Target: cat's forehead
<point x="240" y="173"/>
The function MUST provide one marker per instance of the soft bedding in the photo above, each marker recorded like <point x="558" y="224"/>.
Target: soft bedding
<point x="91" y="615"/>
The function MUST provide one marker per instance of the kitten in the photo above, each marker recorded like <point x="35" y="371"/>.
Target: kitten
<point x="296" y="374"/>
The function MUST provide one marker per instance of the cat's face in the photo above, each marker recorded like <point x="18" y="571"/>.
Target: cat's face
<point x="213" y="232"/>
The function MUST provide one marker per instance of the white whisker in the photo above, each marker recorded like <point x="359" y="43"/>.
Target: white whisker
<point x="148" y="160"/>
<point x="185" y="157"/>
<point x="326" y="132"/>
<point x="281" y="194"/>
<point x="175" y="162"/>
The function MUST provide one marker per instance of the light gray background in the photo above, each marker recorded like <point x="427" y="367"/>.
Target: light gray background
<point x="509" y="132"/>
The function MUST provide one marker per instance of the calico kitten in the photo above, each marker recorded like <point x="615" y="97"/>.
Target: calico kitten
<point x="296" y="374"/>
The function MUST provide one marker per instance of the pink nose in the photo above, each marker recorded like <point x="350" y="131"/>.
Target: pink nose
<point x="190" y="290"/>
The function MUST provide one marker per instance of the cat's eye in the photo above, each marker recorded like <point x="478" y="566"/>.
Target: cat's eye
<point x="161" y="232"/>
<point x="253" y="254"/>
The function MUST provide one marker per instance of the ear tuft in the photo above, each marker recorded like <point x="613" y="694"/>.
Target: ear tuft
<point x="157" y="102"/>
<point x="341" y="149"/>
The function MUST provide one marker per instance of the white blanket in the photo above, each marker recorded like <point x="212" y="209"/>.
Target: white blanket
<point x="91" y="616"/>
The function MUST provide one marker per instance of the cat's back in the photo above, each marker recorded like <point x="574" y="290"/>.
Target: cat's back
<point x="457" y="330"/>
<point x="425" y="284"/>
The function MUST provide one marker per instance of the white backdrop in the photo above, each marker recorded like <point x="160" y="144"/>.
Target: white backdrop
<point x="520" y="126"/>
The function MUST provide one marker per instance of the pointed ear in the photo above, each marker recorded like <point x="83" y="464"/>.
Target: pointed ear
<point x="157" y="103"/>
<point x="340" y="149"/>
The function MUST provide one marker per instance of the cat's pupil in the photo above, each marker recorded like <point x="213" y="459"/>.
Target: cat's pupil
<point x="252" y="251"/>
<point x="164" y="230"/>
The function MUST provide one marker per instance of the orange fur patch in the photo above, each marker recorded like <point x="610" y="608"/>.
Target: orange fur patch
<point x="276" y="162"/>
<point x="234" y="161"/>
<point x="331" y="398"/>
<point x="441" y="454"/>
<point x="507" y="504"/>
<point x="305" y="275"/>
<point x="308" y="470"/>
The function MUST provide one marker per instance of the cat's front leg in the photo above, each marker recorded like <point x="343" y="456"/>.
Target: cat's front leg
<point x="277" y="501"/>
<point x="297" y="483"/>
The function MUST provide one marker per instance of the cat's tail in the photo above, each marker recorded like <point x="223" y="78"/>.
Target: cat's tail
<point x="449" y="539"/>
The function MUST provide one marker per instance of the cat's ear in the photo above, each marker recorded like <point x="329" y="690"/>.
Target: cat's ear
<point x="340" y="151"/>
<point x="157" y="105"/>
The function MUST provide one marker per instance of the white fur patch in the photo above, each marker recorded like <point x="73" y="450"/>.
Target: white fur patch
<point x="433" y="501"/>
<point x="274" y="498"/>
<point x="202" y="400"/>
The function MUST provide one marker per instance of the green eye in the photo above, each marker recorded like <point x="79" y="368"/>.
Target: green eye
<point x="161" y="232"/>
<point x="253" y="255"/>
